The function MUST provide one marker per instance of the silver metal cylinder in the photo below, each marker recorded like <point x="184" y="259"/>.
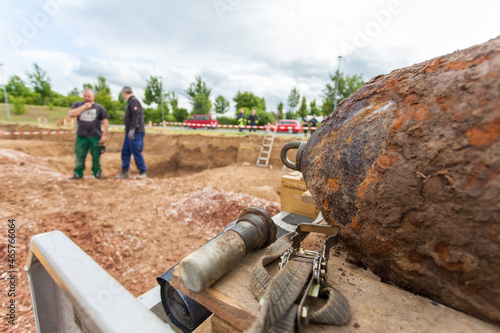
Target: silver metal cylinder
<point x="200" y="269"/>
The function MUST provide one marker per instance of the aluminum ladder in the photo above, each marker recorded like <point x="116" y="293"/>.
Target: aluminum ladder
<point x="267" y="146"/>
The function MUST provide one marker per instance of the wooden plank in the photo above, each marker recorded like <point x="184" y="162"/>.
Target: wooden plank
<point x="379" y="307"/>
<point x="221" y="326"/>
<point x="375" y="306"/>
<point x="230" y="297"/>
<point x="205" y="327"/>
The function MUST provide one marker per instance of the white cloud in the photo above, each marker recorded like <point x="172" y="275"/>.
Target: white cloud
<point x="266" y="47"/>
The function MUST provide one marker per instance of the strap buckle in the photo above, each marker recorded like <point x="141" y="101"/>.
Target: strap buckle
<point x="319" y="260"/>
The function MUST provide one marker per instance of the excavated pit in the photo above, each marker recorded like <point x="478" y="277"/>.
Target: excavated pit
<point x="166" y="155"/>
<point x="135" y="229"/>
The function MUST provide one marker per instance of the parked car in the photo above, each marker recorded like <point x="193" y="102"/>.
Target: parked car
<point x="288" y="125"/>
<point x="201" y="121"/>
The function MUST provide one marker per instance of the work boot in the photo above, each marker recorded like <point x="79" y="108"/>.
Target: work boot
<point x="75" y="176"/>
<point x="142" y="174"/>
<point x="124" y="175"/>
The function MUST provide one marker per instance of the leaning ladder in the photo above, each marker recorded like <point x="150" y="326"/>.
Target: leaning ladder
<point x="267" y="146"/>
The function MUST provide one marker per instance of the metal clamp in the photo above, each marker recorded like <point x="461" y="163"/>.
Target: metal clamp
<point x="319" y="260"/>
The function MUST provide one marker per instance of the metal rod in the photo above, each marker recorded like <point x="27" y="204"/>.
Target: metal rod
<point x="161" y="99"/>
<point x="5" y="96"/>
<point x="337" y="84"/>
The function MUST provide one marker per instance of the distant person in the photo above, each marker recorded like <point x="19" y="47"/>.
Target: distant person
<point x="133" y="143"/>
<point x="305" y="125"/>
<point x="252" y="120"/>
<point x="90" y="117"/>
<point x="313" y="123"/>
<point x="240" y="118"/>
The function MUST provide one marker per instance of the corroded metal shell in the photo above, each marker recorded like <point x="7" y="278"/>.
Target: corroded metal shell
<point x="408" y="168"/>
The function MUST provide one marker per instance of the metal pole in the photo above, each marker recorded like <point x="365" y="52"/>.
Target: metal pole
<point x="5" y="96"/>
<point x="337" y="84"/>
<point x="161" y="100"/>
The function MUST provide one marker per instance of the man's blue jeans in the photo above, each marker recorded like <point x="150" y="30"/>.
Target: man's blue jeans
<point x="133" y="147"/>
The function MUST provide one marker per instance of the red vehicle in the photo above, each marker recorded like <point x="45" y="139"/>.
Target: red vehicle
<point x="288" y="125"/>
<point x="201" y="121"/>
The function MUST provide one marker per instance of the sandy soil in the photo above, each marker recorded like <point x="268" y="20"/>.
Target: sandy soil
<point x="112" y="220"/>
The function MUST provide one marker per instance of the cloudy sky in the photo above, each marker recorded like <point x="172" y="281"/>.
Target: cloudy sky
<point x="266" y="47"/>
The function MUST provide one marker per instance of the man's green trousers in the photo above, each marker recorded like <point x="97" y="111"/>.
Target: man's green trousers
<point x="82" y="146"/>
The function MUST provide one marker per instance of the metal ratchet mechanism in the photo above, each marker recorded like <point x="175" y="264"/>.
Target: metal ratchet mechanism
<point x="319" y="260"/>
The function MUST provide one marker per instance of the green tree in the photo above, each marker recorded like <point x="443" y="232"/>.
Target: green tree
<point x="173" y="100"/>
<point x="87" y="85"/>
<point x="74" y="92"/>
<point x="103" y="93"/>
<point x="152" y="114"/>
<point x="303" y="108"/>
<point x="201" y="104"/>
<point x="119" y="105"/>
<point x="180" y="114"/>
<point x="102" y="86"/>
<point x="314" y="109"/>
<point x="198" y="87"/>
<point x="70" y="98"/>
<point x="262" y="104"/>
<point x="121" y="99"/>
<point x="279" y="111"/>
<point x="154" y="91"/>
<point x="154" y="94"/>
<point x="199" y="95"/>
<point x="348" y="85"/>
<point x="221" y="105"/>
<point x="248" y="101"/>
<point x="265" y="117"/>
<point x="40" y="82"/>
<point x="57" y="99"/>
<point x="19" y="106"/>
<point x="293" y="99"/>
<point x="17" y="88"/>
<point x="103" y="96"/>
<point x="223" y="120"/>
<point x="105" y="100"/>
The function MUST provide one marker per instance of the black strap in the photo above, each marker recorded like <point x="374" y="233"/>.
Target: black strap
<point x="277" y="311"/>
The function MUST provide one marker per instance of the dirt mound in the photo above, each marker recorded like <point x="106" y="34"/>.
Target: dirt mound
<point x="16" y="157"/>
<point x="208" y="211"/>
<point x="32" y="166"/>
<point x="242" y="178"/>
<point x="112" y="220"/>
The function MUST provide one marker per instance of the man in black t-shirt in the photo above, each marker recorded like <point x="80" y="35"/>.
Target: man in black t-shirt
<point x="90" y="117"/>
<point x="133" y="143"/>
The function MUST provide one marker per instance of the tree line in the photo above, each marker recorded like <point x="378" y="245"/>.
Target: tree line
<point x="162" y="104"/>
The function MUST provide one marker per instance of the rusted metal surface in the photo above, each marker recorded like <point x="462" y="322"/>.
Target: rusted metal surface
<point x="408" y="168"/>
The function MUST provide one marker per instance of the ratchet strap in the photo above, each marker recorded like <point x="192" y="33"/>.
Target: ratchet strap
<point x="284" y="300"/>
